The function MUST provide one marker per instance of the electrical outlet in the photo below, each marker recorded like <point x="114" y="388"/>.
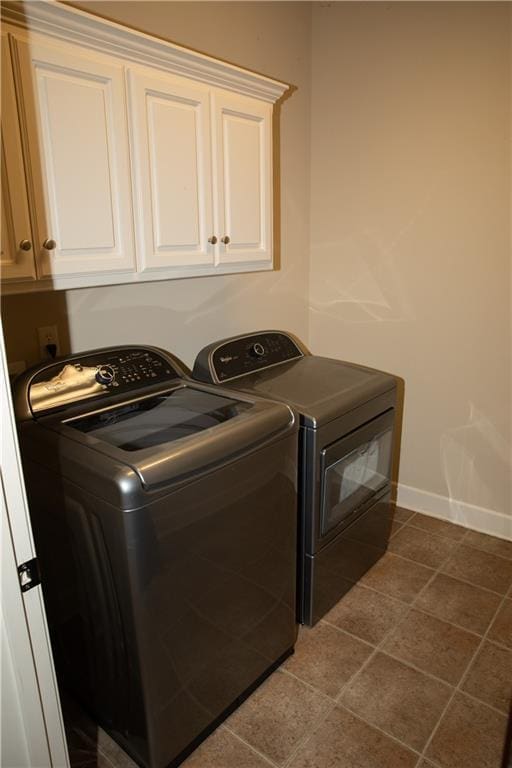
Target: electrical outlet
<point x="48" y="335"/>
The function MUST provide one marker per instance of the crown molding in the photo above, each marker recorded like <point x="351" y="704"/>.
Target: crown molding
<point x="73" y="25"/>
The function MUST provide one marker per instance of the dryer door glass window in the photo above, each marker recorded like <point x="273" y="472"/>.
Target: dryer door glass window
<point x="354" y="469"/>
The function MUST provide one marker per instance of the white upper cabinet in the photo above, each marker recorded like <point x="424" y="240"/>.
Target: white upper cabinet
<point x="172" y="167"/>
<point x="17" y="258"/>
<point x="243" y="144"/>
<point x="132" y="158"/>
<point x="78" y="159"/>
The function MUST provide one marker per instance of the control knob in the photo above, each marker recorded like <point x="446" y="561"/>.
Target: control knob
<point x="257" y="350"/>
<point x="105" y="374"/>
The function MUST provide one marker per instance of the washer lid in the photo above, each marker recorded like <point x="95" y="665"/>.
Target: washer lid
<point x="168" y="436"/>
<point x="319" y="388"/>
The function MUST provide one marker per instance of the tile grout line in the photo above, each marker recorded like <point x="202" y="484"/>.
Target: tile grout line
<point x="246" y="744"/>
<point x="437" y="572"/>
<point x="426" y="612"/>
<point x="336" y="700"/>
<point x="463" y="538"/>
<point x="347" y="632"/>
<point x="362" y="583"/>
<point x="459" y="526"/>
<point x="329" y="700"/>
<point x="458" y="688"/>
<point x="379" y="647"/>
<point x="305" y="739"/>
<point x="381" y="730"/>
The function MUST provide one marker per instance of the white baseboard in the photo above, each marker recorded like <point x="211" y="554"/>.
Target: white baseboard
<point x="459" y="512"/>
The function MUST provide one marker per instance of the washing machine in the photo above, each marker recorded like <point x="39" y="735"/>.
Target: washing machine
<point x="347" y="453"/>
<point x="164" y="514"/>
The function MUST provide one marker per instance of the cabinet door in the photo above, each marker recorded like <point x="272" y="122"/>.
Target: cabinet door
<point x="74" y="103"/>
<point x="172" y="163"/>
<point x="16" y="263"/>
<point x="243" y="143"/>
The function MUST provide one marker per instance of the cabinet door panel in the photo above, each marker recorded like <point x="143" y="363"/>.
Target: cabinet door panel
<point x="76" y="123"/>
<point x="171" y="130"/>
<point x="15" y="263"/>
<point x="244" y="177"/>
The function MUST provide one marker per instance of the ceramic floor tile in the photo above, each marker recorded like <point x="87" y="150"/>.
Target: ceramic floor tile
<point x="222" y="749"/>
<point x="480" y="568"/>
<point x="470" y="735"/>
<point x="490" y="677"/>
<point x="422" y="547"/>
<point x="397" y="577"/>
<point x="464" y="604"/>
<point x="345" y="741"/>
<point x="432" y="645"/>
<point x="438" y="527"/>
<point x="402" y="701"/>
<point x="489" y="543"/>
<point x="277" y="715"/>
<point x="327" y="658"/>
<point x="401" y="515"/>
<point x="366" y="614"/>
<point x="501" y="630"/>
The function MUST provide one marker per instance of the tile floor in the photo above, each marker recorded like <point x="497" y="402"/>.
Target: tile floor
<point x="411" y="669"/>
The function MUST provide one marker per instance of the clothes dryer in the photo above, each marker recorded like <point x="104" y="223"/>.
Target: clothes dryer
<point x="347" y="441"/>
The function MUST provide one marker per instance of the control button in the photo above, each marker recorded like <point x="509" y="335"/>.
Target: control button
<point x="257" y="349"/>
<point x="105" y="374"/>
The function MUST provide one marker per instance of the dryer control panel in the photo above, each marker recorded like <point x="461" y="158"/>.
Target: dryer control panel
<point x="110" y="371"/>
<point x="238" y="356"/>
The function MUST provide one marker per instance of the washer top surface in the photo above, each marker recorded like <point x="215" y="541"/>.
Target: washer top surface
<point x="319" y="388"/>
<point x="137" y="421"/>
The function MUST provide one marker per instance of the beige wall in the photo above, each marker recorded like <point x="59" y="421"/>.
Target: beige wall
<point x="410" y="215"/>
<point x="183" y="315"/>
<point x="410" y="227"/>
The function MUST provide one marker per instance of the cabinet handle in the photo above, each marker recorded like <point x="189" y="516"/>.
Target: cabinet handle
<point x="226" y="239"/>
<point x="49" y="244"/>
<point x="212" y="240"/>
<point x="25" y="245"/>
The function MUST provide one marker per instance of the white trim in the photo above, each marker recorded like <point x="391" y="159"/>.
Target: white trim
<point x="24" y="614"/>
<point x="125" y="278"/>
<point x="73" y="25"/>
<point x="458" y="512"/>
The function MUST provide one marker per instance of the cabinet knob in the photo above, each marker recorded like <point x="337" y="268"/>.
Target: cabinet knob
<point x="226" y="239"/>
<point x="212" y="240"/>
<point x="25" y="245"/>
<point x="49" y="244"/>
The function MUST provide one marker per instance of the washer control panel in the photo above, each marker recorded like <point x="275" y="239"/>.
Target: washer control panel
<point x="109" y="371"/>
<point x="247" y="354"/>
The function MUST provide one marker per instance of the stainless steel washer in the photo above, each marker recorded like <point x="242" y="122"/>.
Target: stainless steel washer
<point x="165" y="521"/>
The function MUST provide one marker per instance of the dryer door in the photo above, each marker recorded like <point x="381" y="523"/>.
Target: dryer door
<point x="354" y="470"/>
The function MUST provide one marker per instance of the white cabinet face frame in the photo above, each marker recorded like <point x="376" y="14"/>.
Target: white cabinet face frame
<point x="15" y="262"/>
<point x="243" y="177"/>
<point x="170" y="138"/>
<point x="75" y="109"/>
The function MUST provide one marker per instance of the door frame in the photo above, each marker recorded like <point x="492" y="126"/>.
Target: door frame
<point x="37" y="734"/>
